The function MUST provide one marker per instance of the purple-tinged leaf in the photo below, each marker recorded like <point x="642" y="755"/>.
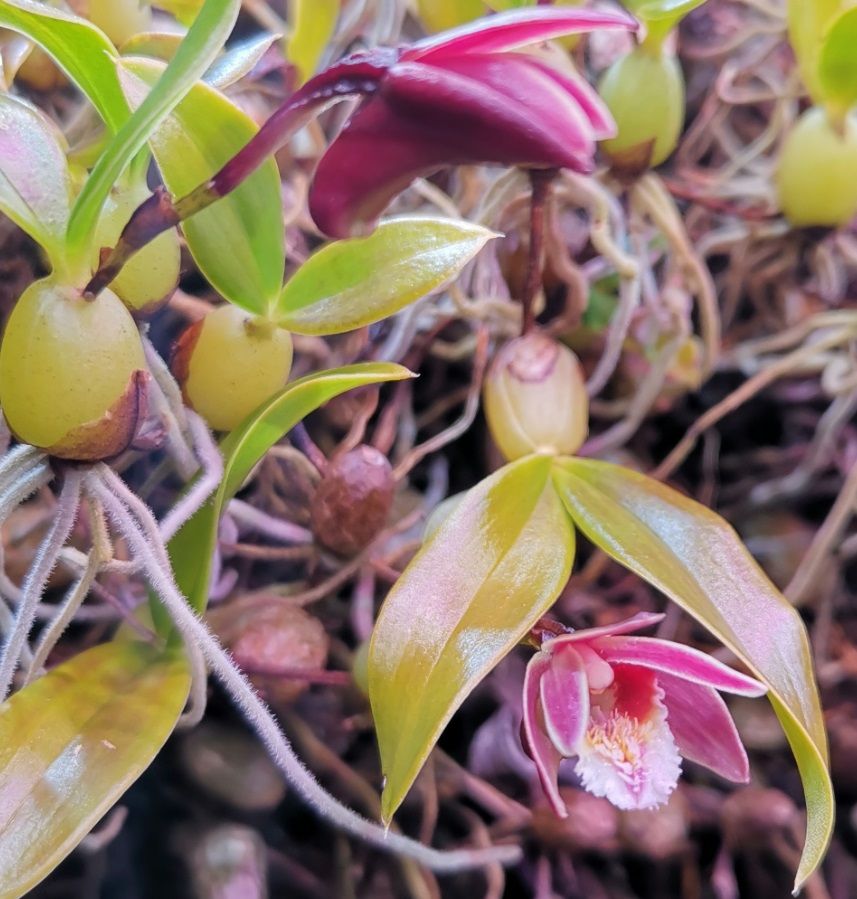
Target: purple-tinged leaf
<point x="697" y="559"/>
<point x="72" y="742"/>
<point x="35" y="187"/>
<point x="474" y="590"/>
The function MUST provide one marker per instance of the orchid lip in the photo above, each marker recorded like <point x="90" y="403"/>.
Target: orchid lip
<point x="629" y="708"/>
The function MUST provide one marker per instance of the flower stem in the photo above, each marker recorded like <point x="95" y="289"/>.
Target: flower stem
<point x="351" y="78"/>
<point x="540" y="182"/>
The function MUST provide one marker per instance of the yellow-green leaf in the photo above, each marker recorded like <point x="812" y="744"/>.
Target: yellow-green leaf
<point x="79" y="48"/>
<point x="312" y="23"/>
<point x="479" y="583"/>
<point x="661" y="16"/>
<point x="71" y="743"/>
<point x="355" y="282"/>
<point x="238" y="242"/>
<point x="808" y="22"/>
<point x="161" y="45"/>
<point x="34" y="182"/>
<point x="192" y="548"/>
<point x="837" y="63"/>
<point x="184" y="10"/>
<point x="439" y="15"/>
<point x="694" y="557"/>
<point x="198" y="49"/>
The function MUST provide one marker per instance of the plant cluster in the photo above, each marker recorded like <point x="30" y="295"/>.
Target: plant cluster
<point x="216" y="247"/>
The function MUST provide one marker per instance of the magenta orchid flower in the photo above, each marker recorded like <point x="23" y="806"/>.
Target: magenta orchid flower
<point x="463" y="97"/>
<point x="628" y="708"/>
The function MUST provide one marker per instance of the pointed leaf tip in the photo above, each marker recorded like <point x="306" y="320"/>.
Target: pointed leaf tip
<point x="358" y="281"/>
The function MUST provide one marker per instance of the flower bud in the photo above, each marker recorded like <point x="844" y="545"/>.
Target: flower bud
<point x="815" y="175"/>
<point x="645" y="93"/>
<point x="229" y="363"/>
<point x="265" y="633"/>
<point x="353" y="500"/>
<point x="535" y="398"/>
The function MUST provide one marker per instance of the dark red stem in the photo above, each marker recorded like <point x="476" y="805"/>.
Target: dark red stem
<point x="540" y="182"/>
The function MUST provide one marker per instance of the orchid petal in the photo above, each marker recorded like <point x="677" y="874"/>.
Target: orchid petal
<point x="517" y="28"/>
<point x="681" y="661"/>
<point x="564" y="694"/>
<point x="498" y="109"/>
<point x="626" y="626"/>
<point x="542" y="751"/>
<point x="425" y="118"/>
<point x="567" y="110"/>
<point x="594" y="108"/>
<point x="382" y="153"/>
<point x="703" y="728"/>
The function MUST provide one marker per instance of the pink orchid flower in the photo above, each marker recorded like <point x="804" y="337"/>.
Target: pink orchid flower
<point x="628" y="708"/>
<point x="459" y="98"/>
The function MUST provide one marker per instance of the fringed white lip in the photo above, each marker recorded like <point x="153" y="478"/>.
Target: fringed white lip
<point x="631" y="762"/>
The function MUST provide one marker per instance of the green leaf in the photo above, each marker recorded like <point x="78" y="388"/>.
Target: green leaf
<point x="661" y="16"/>
<point x="80" y="49"/>
<point x="71" y="743"/>
<point x="672" y="11"/>
<point x="192" y="548"/>
<point x="230" y="67"/>
<point x="695" y="558"/>
<point x="238" y="61"/>
<point x="352" y="283"/>
<point x="439" y="15"/>
<point x="184" y="10"/>
<point x="203" y="42"/>
<point x="837" y="64"/>
<point x="312" y="25"/>
<point x="479" y="583"/>
<point x="238" y="242"/>
<point x="161" y="45"/>
<point x="808" y="22"/>
<point x="35" y="187"/>
<point x="502" y="5"/>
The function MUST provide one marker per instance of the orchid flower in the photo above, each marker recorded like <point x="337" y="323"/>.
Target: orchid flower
<point x="463" y="97"/>
<point x="628" y="708"/>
